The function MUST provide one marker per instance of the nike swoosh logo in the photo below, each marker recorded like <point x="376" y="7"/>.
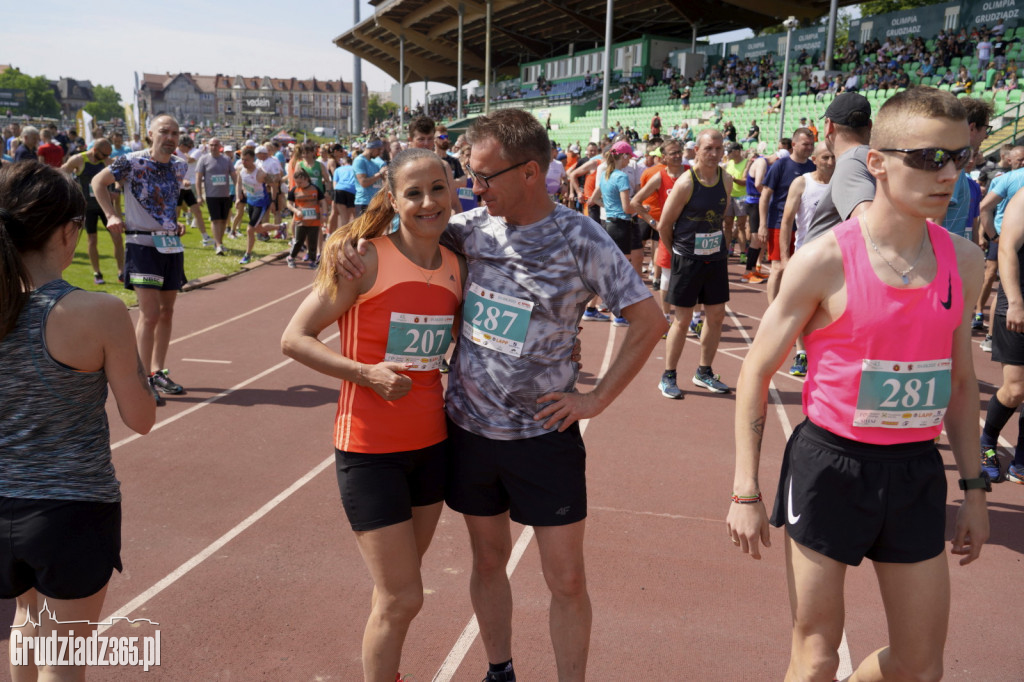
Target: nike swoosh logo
<point x="789" y="506"/>
<point x="949" y="293"/>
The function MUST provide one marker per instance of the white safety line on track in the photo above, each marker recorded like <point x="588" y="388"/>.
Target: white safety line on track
<point x="206" y="553"/>
<point x="216" y="362"/>
<point x="240" y="316"/>
<point x="469" y="633"/>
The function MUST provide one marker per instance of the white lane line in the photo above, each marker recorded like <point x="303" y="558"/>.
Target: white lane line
<point x="212" y="399"/>
<point x="202" y="556"/>
<point x="240" y="316"/>
<point x="845" y="664"/>
<point x="469" y="633"/>
<point x="217" y="362"/>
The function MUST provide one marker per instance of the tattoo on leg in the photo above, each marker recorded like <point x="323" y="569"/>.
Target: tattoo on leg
<point x="757" y="426"/>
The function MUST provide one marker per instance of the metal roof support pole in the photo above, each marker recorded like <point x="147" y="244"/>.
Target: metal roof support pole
<point x="356" y="114"/>
<point x="458" y="76"/>
<point x="693" y="39"/>
<point x="789" y="24"/>
<point x="401" y="80"/>
<point x="830" y="43"/>
<point x="605" y="90"/>
<point x="487" y="62"/>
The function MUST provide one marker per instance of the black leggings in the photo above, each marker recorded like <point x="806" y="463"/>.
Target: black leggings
<point x="308" y="234"/>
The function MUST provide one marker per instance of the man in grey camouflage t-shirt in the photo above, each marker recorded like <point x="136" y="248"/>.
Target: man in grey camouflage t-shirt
<point x="513" y="407"/>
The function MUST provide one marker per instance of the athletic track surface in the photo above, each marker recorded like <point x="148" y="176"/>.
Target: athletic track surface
<point x="235" y="542"/>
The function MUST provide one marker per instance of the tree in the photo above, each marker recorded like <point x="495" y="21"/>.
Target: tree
<point x="377" y="111"/>
<point x="40" y="100"/>
<point x="874" y="7"/>
<point x="106" y="103"/>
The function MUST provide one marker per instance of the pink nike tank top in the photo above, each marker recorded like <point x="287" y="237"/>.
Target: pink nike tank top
<point x="880" y="373"/>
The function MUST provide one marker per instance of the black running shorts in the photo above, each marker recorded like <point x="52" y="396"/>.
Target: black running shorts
<point x="92" y="218"/>
<point x="219" y="207"/>
<point x="541" y="481"/>
<point x="624" y="233"/>
<point x="65" y="549"/>
<point x="850" y="500"/>
<point x="1007" y="346"/>
<point x="147" y="268"/>
<point x="344" y="198"/>
<point x="187" y="197"/>
<point x="380" y="489"/>
<point x="697" y="281"/>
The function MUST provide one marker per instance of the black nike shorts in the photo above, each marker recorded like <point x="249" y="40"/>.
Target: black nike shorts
<point x="850" y="500"/>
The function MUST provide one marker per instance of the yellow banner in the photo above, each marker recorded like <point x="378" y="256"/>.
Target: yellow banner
<point x="129" y="122"/>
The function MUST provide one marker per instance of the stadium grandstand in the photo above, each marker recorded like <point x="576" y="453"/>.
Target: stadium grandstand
<point x="549" y="56"/>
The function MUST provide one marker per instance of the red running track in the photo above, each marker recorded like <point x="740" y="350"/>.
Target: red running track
<point x="235" y="542"/>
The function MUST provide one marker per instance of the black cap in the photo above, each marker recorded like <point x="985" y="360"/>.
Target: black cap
<point x="849" y="109"/>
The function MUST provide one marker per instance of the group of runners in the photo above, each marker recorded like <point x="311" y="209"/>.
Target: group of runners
<point x="867" y="268"/>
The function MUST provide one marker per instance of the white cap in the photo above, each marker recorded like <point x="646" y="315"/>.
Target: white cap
<point x="691" y="145"/>
<point x="250" y="143"/>
<point x="261" y="150"/>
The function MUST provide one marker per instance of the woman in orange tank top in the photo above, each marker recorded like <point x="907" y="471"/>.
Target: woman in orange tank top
<point x="395" y="323"/>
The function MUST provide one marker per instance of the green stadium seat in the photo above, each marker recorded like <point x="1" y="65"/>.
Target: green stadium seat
<point x="1013" y="96"/>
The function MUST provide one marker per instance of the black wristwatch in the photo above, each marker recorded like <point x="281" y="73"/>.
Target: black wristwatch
<point x="983" y="482"/>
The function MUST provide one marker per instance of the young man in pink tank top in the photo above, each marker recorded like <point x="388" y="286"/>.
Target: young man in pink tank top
<point x="880" y="301"/>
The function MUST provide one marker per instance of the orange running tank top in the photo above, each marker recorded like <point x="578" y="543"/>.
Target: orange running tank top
<point x="407" y="316"/>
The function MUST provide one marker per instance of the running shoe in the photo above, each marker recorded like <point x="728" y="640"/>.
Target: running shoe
<point x="604" y="309"/>
<point x="990" y="464"/>
<point x="445" y="367"/>
<point x="668" y="386"/>
<point x="156" y="394"/>
<point x="696" y="326"/>
<point x="507" y="675"/>
<point x="313" y="265"/>
<point x="219" y="251"/>
<point x="281" y="234"/>
<point x="262" y="237"/>
<point x="710" y="381"/>
<point x="207" y="240"/>
<point x="120" y="277"/>
<point x="245" y="259"/>
<point x="620" y="322"/>
<point x="97" y="278"/>
<point x="656" y="285"/>
<point x="760" y="273"/>
<point x="986" y="345"/>
<point x="1015" y="474"/>
<point x="799" y="368"/>
<point x="743" y="259"/>
<point x="162" y="382"/>
<point x="291" y="262"/>
<point x="978" y="323"/>
<point x="594" y="316"/>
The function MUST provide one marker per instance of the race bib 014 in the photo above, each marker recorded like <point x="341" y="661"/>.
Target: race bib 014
<point x="496" y="321"/>
<point x="420" y="340"/>
<point x="903" y="395"/>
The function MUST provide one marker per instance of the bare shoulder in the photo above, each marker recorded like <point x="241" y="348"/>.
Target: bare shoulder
<point x="92" y="307"/>
<point x="969" y="259"/>
<point x="818" y="265"/>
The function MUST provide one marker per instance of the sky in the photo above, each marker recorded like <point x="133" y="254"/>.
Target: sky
<point x="100" y="42"/>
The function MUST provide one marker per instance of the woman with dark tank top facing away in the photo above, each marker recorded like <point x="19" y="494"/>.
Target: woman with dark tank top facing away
<point x="390" y="435"/>
<point x="60" y="347"/>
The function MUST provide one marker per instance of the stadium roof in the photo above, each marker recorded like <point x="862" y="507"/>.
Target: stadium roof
<point x="528" y="30"/>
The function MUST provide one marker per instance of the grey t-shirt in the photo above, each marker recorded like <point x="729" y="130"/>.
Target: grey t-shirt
<point x="851" y="184"/>
<point x="216" y="175"/>
<point x="527" y="288"/>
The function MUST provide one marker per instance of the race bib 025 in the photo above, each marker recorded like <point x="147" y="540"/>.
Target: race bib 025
<point x="903" y="395"/>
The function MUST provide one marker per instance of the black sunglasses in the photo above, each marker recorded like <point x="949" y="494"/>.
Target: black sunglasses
<point x="485" y="180"/>
<point x="934" y="158"/>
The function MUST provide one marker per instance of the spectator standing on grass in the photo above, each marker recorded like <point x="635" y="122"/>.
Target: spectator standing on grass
<point x="154" y="256"/>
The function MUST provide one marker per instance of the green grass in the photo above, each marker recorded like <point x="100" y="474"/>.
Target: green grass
<point x="199" y="260"/>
